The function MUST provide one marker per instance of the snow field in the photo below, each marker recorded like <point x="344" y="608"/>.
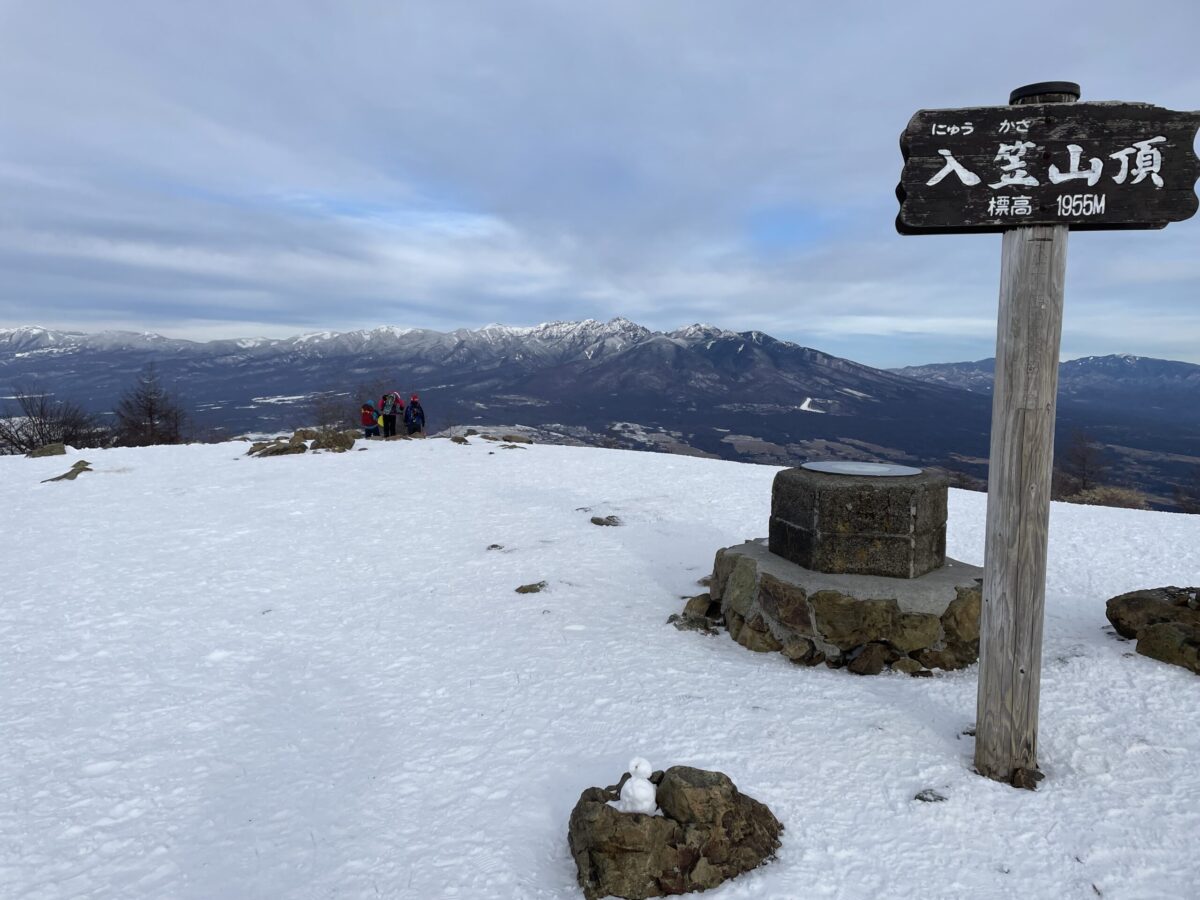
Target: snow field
<point x="307" y="677"/>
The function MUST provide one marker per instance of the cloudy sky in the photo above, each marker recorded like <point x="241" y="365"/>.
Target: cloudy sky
<point x="216" y="169"/>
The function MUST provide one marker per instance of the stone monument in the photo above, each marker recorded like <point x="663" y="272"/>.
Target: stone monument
<point x="854" y="573"/>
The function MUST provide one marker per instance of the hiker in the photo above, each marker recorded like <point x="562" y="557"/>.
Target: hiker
<point x="390" y="406"/>
<point x="370" y="421"/>
<point x="414" y="416"/>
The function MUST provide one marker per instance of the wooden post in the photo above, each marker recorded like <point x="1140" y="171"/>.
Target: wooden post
<point x="1032" y="276"/>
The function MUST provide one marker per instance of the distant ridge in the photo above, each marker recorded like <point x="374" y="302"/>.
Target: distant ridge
<point x="697" y="389"/>
<point x="1140" y="382"/>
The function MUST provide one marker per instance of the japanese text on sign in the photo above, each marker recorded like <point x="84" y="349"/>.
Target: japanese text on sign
<point x="1086" y="165"/>
<point x="1147" y="162"/>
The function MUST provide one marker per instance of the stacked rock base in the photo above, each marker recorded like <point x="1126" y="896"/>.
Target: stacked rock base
<point x="708" y="832"/>
<point x="867" y="623"/>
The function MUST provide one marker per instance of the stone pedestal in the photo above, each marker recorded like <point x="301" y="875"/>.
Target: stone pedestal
<point x="854" y="574"/>
<point x="860" y="525"/>
<point x="865" y="622"/>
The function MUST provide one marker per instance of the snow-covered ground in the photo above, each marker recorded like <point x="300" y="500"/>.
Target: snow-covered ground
<point x="309" y="677"/>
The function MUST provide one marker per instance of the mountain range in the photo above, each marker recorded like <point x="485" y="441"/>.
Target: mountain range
<point x="699" y="390"/>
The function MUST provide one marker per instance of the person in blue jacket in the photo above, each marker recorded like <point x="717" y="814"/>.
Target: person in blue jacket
<point x="414" y="416"/>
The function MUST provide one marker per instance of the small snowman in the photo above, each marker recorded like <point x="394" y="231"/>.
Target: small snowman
<point x="637" y="794"/>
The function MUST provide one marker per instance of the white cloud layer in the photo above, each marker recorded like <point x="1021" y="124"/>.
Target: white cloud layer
<point x="228" y="168"/>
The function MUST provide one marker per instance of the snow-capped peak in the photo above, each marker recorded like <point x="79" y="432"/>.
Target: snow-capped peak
<point x="701" y="331"/>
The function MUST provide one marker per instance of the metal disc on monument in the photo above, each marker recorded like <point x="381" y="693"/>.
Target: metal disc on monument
<point x="877" y="470"/>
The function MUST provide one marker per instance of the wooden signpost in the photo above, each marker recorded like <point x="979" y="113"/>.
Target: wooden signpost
<point x="1033" y="170"/>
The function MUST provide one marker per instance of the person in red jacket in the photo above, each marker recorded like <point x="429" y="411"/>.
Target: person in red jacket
<point x="390" y="406"/>
<point x="370" y="421"/>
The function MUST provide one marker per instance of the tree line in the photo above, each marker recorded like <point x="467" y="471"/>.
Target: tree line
<point x="1083" y="474"/>
<point x="147" y="413"/>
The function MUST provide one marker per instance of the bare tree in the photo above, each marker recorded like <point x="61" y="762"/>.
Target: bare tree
<point x="1082" y="466"/>
<point x="37" y="419"/>
<point x="150" y="414"/>
<point x="331" y="411"/>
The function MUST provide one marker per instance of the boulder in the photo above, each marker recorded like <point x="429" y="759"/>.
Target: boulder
<point x="305" y="434"/>
<point x="606" y="520"/>
<point x="1131" y="612"/>
<point x="741" y="588"/>
<point x="276" y="448"/>
<point x="1165" y="621"/>
<point x="803" y="651"/>
<point x="907" y="665"/>
<point x="535" y="588"/>
<point x="734" y="623"/>
<point x="58" y="449"/>
<point x="700" y="613"/>
<point x="960" y="621"/>
<point x="870" y="660"/>
<point x="337" y="441"/>
<point x="702" y="605"/>
<point x="1171" y="642"/>
<point x="756" y="635"/>
<point x="848" y="622"/>
<point x="786" y="603"/>
<point x="708" y="833"/>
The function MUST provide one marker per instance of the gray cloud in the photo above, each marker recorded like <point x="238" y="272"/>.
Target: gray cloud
<point x="222" y="169"/>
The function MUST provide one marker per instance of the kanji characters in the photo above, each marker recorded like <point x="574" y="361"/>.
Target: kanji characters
<point x="1092" y="173"/>
<point x="1147" y="161"/>
<point x="1013" y="170"/>
<point x="966" y="176"/>
<point x="1005" y="205"/>
<point x="1017" y="163"/>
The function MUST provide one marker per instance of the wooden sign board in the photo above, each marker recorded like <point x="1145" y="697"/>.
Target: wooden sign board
<point x="1090" y="166"/>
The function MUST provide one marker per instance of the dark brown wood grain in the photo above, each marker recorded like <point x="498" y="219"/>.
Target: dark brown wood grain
<point x="974" y="138"/>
